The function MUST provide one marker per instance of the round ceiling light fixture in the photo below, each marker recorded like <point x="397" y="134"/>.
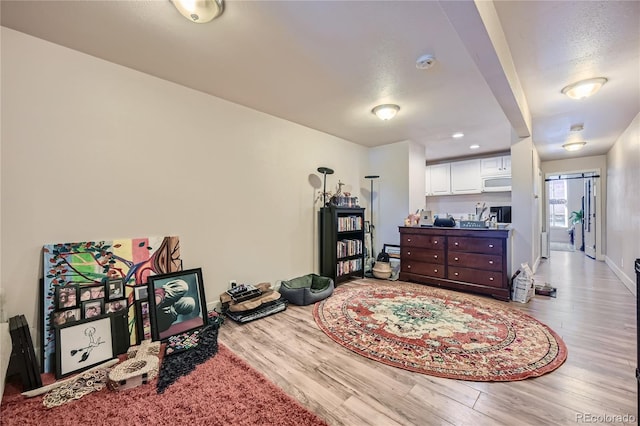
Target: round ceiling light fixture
<point x="199" y="11"/>
<point x="386" y="111"/>
<point x="584" y="88"/>
<point x="574" y="146"/>
<point x="425" y="62"/>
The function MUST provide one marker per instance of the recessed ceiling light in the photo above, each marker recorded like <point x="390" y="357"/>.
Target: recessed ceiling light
<point x="474" y="146"/>
<point x="584" y="88"/>
<point x="574" y="146"/>
<point x="386" y="111"/>
<point x="457" y="135"/>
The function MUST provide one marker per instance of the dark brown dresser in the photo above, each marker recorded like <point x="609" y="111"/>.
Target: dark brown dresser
<point x="474" y="260"/>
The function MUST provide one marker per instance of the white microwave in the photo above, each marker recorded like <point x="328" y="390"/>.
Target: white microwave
<point x="496" y="183"/>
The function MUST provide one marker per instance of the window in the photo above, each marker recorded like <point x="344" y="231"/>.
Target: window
<point x="558" y="212"/>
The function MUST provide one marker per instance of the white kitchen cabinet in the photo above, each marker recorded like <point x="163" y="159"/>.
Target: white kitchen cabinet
<point x="438" y="179"/>
<point x="495" y="166"/>
<point x="465" y="177"/>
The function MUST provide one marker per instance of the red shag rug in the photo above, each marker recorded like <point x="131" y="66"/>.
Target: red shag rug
<point x="224" y="390"/>
<point x="439" y="332"/>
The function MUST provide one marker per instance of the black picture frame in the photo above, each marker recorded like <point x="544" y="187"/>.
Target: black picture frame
<point x="392" y="250"/>
<point x="66" y="297"/>
<point x="65" y="317"/>
<point x="114" y="306"/>
<point x="91" y="292"/>
<point x="84" y="344"/>
<point x="143" y="320"/>
<point x="120" y="330"/>
<point x="394" y="259"/>
<point x="177" y="303"/>
<point x="115" y="289"/>
<point x="141" y="292"/>
<point x="92" y="308"/>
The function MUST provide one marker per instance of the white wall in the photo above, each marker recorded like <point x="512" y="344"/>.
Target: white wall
<point x="417" y="170"/>
<point x="93" y="150"/>
<point x="623" y="204"/>
<point x="525" y="239"/>
<point x="392" y="205"/>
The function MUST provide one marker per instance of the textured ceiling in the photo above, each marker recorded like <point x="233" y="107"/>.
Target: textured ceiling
<point x="325" y="65"/>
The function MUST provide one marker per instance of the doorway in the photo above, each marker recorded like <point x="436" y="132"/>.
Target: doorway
<point x="572" y="214"/>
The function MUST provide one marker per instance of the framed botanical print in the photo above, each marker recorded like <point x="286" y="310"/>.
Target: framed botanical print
<point x="176" y="303"/>
<point x="83" y="344"/>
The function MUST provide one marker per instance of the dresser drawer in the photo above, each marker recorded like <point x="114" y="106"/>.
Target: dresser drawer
<point x="476" y="276"/>
<point x="487" y="262"/>
<point x="423" y="268"/>
<point x="425" y="241"/>
<point x="422" y="255"/>
<point x="476" y="245"/>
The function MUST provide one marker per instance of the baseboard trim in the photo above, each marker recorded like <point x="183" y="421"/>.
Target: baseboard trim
<point x="536" y="264"/>
<point x="628" y="282"/>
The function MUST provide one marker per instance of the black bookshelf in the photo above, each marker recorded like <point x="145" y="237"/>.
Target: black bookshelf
<point x="341" y="243"/>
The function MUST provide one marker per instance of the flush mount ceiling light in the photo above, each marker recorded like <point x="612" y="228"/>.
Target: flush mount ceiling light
<point x="577" y="128"/>
<point x="457" y="135"/>
<point x="386" y="111"/>
<point x="199" y="11"/>
<point x="574" y="146"/>
<point x="585" y="88"/>
<point x="474" y="146"/>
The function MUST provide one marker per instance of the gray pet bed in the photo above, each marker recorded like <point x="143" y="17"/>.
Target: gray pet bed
<point x="307" y="289"/>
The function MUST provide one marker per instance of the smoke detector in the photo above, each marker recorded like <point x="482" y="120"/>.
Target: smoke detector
<point x="425" y="62"/>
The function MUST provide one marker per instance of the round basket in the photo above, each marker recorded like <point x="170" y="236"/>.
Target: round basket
<point x="382" y="270"/>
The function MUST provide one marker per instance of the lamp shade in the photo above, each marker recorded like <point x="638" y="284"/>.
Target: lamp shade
<point x="199" y="11"/>
<point x="386" y="111"/>
<point x="584" y="88"/>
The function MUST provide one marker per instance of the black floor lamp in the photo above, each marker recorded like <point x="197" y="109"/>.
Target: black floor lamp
<point x="372" y="227"/>
<point x="325" y="171"/>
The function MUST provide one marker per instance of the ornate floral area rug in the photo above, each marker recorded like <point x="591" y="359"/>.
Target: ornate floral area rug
<point x="439" y="332"/>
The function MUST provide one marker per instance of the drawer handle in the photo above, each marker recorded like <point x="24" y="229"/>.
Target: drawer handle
<point x="408" y="266"/>
<point x="490" y="245"/>
<point x="455" y="244"/>
<point x="490" y="278"/>
<point x="435" y="242"/>
<point x="409" y="239"/>
<point x="456" y="259"/>
<point x="408" y="253"/>
<point x="435" y="256"/>
<point x="435" y="270"/>
<point x="456" y="274"/>
<point x="491" y="262"/>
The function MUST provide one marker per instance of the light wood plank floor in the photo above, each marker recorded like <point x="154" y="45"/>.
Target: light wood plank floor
<point x="594" y="313"/>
